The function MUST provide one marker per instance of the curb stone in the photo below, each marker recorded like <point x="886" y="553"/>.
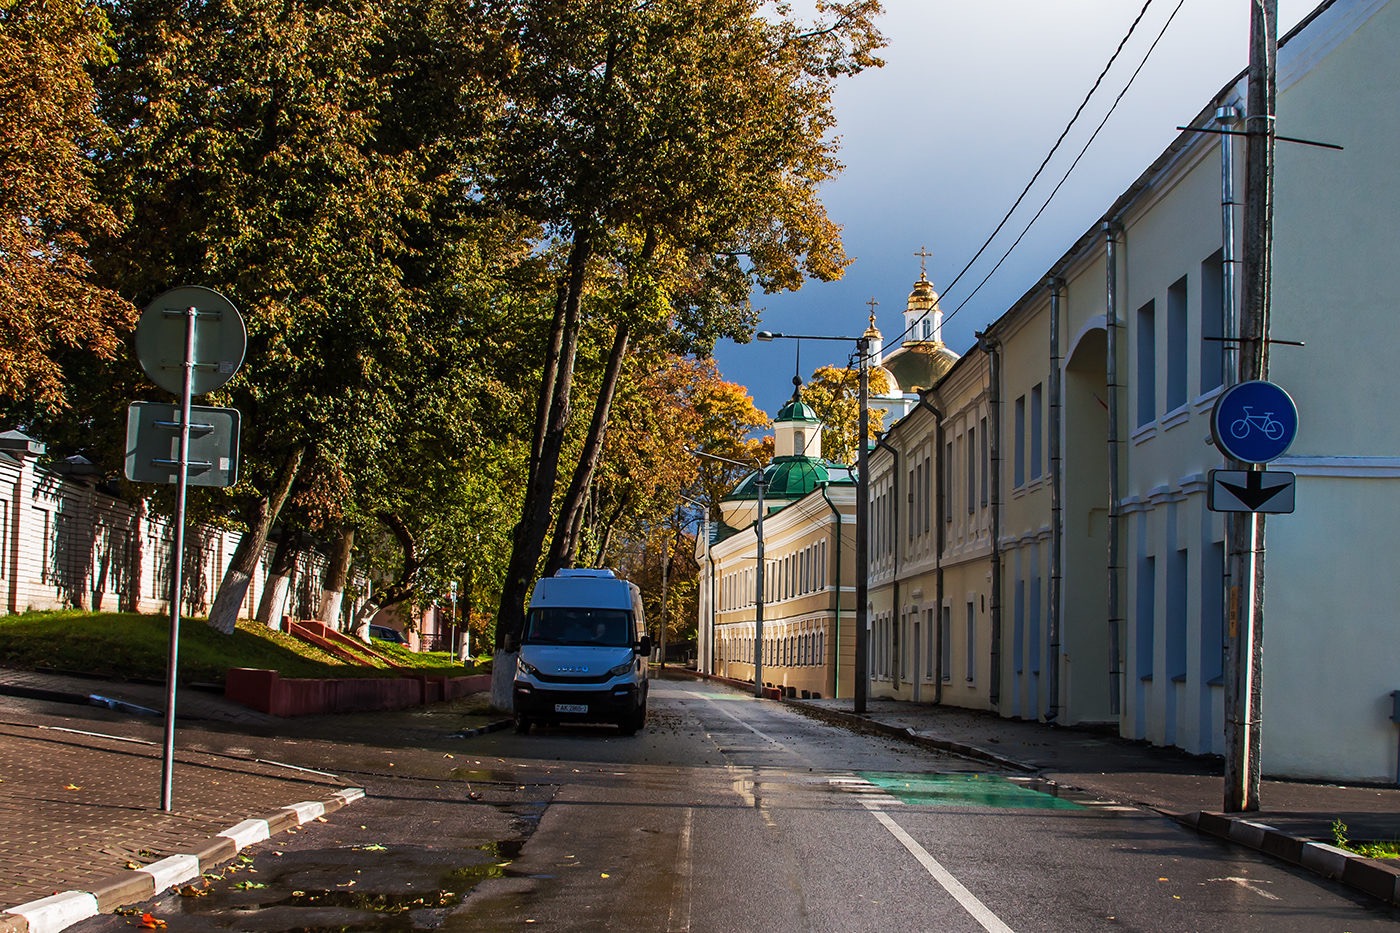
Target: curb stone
<point x="59" y="911"/>
<point x="496" y="726"/>
<point x="1375" y="877"/>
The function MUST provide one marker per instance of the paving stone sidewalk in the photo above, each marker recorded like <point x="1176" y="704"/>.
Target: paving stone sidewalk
<point x="81" y="827"/>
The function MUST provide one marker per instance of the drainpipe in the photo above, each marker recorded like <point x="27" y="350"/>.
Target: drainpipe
<point x="1227" y="117"/>
<point x="992" y="347"/>
<point x="1057" y="514"/>
<point x="940" y="541"/>
<point x="896" y="614"/>
<point x="1115" y="609"/>
<point x="835" y="643"/>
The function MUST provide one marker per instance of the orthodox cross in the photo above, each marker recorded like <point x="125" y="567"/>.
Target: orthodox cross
<point x="872" y="303"/>
<point x="923" y="255"/>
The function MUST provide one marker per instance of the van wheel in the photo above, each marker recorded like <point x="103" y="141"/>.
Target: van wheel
<point x="631" y="722"/>
<point x="522" y="724"/>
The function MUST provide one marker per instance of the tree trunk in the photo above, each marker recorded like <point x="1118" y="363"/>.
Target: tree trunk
<point x="605" y="537"/>
<point x="337" y="572"/>
<point x="279" y="582"/>
<point x="530" y="531"/>
<point x="223" y="615"/>
<point x="564" y="550"/>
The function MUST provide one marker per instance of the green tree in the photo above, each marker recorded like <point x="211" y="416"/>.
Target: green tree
<point x="675" y="150"/>
<point x="290" y="154"/>
<point x="50" y="306"/>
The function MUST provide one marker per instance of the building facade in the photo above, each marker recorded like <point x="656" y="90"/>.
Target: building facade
<point x="1080" y="574"/>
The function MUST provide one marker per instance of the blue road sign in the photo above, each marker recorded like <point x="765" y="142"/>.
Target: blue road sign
<point x="1254" y="422"/>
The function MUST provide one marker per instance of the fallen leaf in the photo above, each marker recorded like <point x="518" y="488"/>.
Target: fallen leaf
<point x="348" y="884"/>
<point x="71" y="787"/>
<point x="151" y="922"/>
<point x="606" y="875"/>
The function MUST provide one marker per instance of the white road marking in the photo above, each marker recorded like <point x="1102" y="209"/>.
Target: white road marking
<point x="678" y="920"/>
<point x="1249" y="885"/>
<point x="975" y="908"/>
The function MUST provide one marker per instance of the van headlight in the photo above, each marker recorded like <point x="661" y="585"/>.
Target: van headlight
<point x="529" y="670"/>
<point x="621" y="669"/>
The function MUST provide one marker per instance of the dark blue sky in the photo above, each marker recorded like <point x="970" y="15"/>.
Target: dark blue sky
<point x="939" y="143"/>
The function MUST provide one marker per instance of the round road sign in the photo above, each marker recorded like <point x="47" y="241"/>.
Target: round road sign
<point x="1254" y="422"/>
<point x="220" y="339"/>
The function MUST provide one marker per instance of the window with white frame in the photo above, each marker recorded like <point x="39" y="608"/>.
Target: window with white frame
<point x="1147" y="363"/>
<point x="1212" y="322"/>
<point x="1176" y="344"/>
<point x="1019" y="470"/>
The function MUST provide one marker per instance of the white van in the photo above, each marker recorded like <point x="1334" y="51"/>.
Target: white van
<point x="583" y="656"/>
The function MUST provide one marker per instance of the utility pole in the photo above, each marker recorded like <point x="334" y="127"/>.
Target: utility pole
<point x="1245" y="609"/>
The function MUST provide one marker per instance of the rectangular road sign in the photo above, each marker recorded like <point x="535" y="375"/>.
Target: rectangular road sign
<point x="1265" y="491"/>
<point x="153" y="444"/>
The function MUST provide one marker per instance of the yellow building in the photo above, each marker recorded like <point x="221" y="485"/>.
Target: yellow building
<point x="807" y="537"/>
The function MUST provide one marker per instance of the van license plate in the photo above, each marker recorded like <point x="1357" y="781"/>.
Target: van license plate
<point x="571" y="707"/>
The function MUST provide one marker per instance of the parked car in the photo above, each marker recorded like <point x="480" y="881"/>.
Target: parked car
<point x="384" y="633"/>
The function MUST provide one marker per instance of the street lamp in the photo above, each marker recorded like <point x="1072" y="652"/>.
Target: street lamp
<point x="862" y="673"/>
<point x="761" y="481"/>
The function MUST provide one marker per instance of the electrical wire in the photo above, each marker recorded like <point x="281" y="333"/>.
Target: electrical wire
<point x="1095" y="135"/>
<point x="1046" y="161"/>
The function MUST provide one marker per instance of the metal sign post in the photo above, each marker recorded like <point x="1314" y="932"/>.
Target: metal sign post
<point x="206" y="360"/>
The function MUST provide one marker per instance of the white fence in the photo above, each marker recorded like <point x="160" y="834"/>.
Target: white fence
<point x="66" y="544"/>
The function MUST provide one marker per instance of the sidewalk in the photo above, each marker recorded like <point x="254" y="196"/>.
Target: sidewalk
<point x="83" y="832"/>
<point x="1294" y="822"/>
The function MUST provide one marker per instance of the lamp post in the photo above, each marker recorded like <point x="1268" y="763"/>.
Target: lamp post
<point x="760" y="481"/>
<point x="862" y="673"/>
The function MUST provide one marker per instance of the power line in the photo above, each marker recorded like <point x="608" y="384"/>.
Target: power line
<point x="1095" y="135"/>
<point x="1046" y="161"/>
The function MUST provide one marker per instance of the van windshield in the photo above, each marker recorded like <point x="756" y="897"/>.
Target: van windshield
<point x="552" y="625"/>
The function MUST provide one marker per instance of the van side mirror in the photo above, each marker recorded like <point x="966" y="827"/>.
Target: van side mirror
<point x="644" y="645"/>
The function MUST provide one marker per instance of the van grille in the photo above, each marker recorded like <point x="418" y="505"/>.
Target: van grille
<point x="573" y="678"/>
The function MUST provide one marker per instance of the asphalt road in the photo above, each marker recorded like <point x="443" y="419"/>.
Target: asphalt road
<point x="725" y="814"/>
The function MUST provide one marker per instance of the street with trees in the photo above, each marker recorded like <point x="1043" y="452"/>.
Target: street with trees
<point x="447" y="227"/>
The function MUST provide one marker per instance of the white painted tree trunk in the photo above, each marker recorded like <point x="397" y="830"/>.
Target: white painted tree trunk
<point x="223" y="615"/>
<point x="503" y="681"/>
<point x="359" y="625"/>
<point x="274" y="601"/>
<point x="329" y="610"/>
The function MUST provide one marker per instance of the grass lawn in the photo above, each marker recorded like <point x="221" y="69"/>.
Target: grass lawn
<point x="137" y="647"/>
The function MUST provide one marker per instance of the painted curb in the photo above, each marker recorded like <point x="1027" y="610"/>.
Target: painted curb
<point x="1372" y="876"/>
<point x="60" y="911"/>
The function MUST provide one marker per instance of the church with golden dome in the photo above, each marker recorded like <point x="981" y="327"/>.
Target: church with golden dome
<point x="921" y="359"/>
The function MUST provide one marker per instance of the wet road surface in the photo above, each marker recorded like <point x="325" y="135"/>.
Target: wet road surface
<point x="725" y="814"/>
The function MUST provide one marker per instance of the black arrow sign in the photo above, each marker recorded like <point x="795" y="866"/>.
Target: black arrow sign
<point x="1253" y="494"/>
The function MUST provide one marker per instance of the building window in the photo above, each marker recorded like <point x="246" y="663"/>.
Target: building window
<point x="986" y="463"/>
<point x="916" y="485"/>
<point x="928" y="492"/>
<point x="1176" y="344"/>
<point x="971" y="470"/>
<point x="948" y="482"/>
<point x="1037" y="431"/>
<point x="1020" y="458"/>
<point x="1147" y="363"/>
<point x="971" y="645"/>
<point x="1177" y="573"/>
<point x="1212" y="322"/>
<point x="1146" y="615"/>
<point x="945" y="635"/>
<point x="1213" y="613"/>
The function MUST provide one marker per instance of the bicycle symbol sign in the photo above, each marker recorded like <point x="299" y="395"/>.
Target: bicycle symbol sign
<point x="1254" y="422"/>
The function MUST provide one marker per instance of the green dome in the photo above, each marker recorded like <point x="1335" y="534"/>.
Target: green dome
<point x="793" y="478"/>
<point x="797" y="410"/>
